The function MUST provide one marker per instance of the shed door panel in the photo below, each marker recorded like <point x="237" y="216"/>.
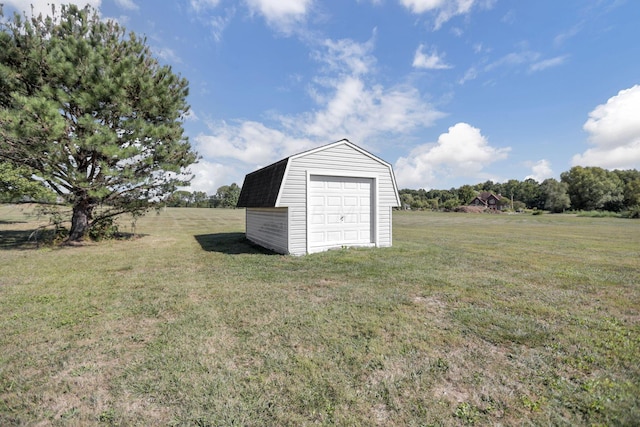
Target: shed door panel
<point x="340" y="211"/>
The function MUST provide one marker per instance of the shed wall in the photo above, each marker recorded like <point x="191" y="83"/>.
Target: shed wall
<point x="268" y="227"/>
<point x="385" y="229"/>
<point x="337" y="159"/>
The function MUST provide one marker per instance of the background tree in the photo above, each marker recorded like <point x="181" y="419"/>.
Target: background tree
<point x="632" y="193"/>
<point x="443" y="197"/>
<point x="90" y="112"/>
<point x="631" y="181"/>
<point x="493" y="187"/>
<point x="227" y="196"/>
<point x="407" y="199"/>
<point x="179" y="199"/>
<point x="591" y="188"/>
<point x="527" y="191"/>
<point x="466" y="194"/>
<point x="451" y="204"/>
<point x="200" y="199"/>
<point x="433" y="204"/>
<point x="556" y="198"/>
<point x="510" y="189"/>
<point x="581" y="188"/>
<point x="505" y="203"/>
<point x="485" y="186"/>
<point x="530" y="193"/>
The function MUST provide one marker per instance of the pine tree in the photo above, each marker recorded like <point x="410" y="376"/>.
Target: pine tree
<point x="92" y="113"/>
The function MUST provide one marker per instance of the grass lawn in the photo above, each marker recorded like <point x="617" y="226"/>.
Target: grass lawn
<point x="467" y="319"/>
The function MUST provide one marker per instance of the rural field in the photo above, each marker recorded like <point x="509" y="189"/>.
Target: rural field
<point x="469" y="319"/>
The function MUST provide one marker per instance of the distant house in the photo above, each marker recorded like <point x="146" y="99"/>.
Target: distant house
<point x="332" y="196"/>
<point x="488" y="200"/>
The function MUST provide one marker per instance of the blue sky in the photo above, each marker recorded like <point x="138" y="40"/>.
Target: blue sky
<point x="450" y="92"/>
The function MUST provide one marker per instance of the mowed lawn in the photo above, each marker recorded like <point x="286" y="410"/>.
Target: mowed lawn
<point x="468" y="319"/>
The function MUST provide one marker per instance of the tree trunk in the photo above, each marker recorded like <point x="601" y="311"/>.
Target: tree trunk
<point x="82" y="213"/>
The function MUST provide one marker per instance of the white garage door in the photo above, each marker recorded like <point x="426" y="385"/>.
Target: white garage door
<point x="341" y="211"/>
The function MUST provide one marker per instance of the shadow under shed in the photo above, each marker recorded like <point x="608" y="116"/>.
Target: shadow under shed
<point x="230" y="243"/>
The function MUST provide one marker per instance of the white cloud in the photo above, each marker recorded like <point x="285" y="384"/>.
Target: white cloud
<point x="548" y="63"/>
<point x="168" y="55"/>
<point x="349" y="105"/>
<point x="445" y="9"/>
<point x="127" y="4"/>
<point x="346" y="56"/>
<point x="470" y="74"/>
<point x="200" y="5"/>
<point x="421" y="6"/>
<point x="250" y="142"/>
<point x="209" y="176"/>
<point x="456" y="31"/>
<point x="462" y="152"/>
<point x="282" y="15"/>
<point x="358" y="112"/>
<point x="615" y="123"/>
<point x="44" y="6"/>
<point x="480" y="48"/>
<point x="430" y="61"/>
<point x="514" y="59"/>
<point x="231" y="151"/>
<point x="509" y="17"/>
<point x="219" y="23"/>
<point x="560" y="39"/>
<point x="614" y="131"/>
<point x="541" y="170"/>
<point x="191" y="116"/>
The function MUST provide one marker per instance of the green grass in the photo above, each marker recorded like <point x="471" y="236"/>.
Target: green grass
<point x="467" y="319"/>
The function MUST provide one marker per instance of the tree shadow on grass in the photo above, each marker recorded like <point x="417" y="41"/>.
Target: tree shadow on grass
<point x="34" y="239"/>
<point x="230" y="243"/>
<point x="16" y="239"/>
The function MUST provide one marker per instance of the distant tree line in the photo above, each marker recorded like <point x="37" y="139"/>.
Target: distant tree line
<point x="580" y="188"/>
<point x="225" y="197"/>
<point x="17" y="185"/>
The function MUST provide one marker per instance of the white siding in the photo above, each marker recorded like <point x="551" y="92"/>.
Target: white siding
<point x="336" y="159"/>
<point x="384" y="227"/>
<point x="268" y="227"/>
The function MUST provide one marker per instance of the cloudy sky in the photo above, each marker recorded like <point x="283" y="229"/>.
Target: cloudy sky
<point x="450" y="92"/>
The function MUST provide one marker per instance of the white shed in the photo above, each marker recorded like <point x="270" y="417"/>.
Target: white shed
<point x="332" y="196"/>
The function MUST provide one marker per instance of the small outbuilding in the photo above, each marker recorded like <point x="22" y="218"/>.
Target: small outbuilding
<point x="332" y="196"/>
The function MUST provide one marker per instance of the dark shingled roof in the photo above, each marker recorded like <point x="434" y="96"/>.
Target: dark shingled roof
<point x="260" y="188"/>
<point x="485" y="195"/>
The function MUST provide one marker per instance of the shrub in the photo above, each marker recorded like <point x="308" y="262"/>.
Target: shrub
<point x="105" y="229"/>
<point x="598" y="214"/>
<point x="632" y="212"/>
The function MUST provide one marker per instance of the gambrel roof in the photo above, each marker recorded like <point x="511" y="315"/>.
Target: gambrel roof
<point x="261" y="188"/>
